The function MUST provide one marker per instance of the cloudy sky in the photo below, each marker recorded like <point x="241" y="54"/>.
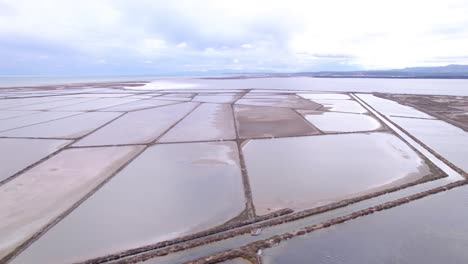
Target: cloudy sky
<point x="163" y="37"/>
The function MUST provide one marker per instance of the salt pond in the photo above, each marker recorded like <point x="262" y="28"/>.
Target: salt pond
<point x="36" y="197"/>
<point x="448" y="140"/>
<point x="31" y="151"/>
<point x="207" y="122"/>
<point x="305" y="172"/>
<point x="259" y="121"/>
<point x="69" y="127"/>
<point x="169" y="191"/>
<point x="432" y="230"/>
<point x="138" y="127"/>
<point x="342" y="122"/>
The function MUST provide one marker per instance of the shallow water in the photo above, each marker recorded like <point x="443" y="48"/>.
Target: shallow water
<point x="342" y="122"/>
<point x="221" y="98"/>
<point x="32" y="119"/>
<point x="392" y="108"/>
<point x="432" y="230"/>
<point x="236" y="261"/>
<point x="289" y="101"/>
<point x="4" y="104"/>
<point x="6" y="114"/>
<point x="259" y="121"/>
<point x="322" y="96"/>
<point x="138" y="105"/>
<point x="349" y="106"/>
<point x="207" y="122"/>
<point x="138" y="127"/>
<point x="31" y="151"/>
<point x="69" y="127"/>
<point x="98" y="95"/>
<point x="42" y="193"/>
<point x="172" y="98"/>
<point x="52" y="105"/>
<point x="95" y="104"/>
<point x="447" y="140"/>
<point x="140" y="96"/>
<point x="303" y="172"/>
<point x="168" y="191"/>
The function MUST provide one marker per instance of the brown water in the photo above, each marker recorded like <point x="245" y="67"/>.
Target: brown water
<point x="289" y="101"/>
<point x="258" y="121"/>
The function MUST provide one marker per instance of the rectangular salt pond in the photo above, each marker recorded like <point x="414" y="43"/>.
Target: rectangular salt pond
<point x="392" y="108"/>
<point x="221" y="98"/>
<point x="169" y="191"/>
<point x="28" y="152"/>
<point x="349" y="106"/>
<point x="172" y="98"/>
<point x="95" y="104"/>
<point x="32" y="119"/>
<point x="112" y="94"/>
<point x="69" y="127"/>
<point x="445" y="139"/>
<point x="259" y="121"/>
<point x="207" y="122"/>
<point x="6" y="114"/>
<point x="33" y="199"/>
<point x="138" y="105"/>
<point x="431" y="230"/>
<point x="343" y="122"/>
<point x="289" y="101"/>
<point x="138" y="127"/>
<point x="9" y="103"/>
<point x="52" y="105"/>
<point x="306" y="172"/>
<point x="321" y="96"/>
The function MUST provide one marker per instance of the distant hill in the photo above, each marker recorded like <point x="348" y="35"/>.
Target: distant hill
<point x="449" y="71"/>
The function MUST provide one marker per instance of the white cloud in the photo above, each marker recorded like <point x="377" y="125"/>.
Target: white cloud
<point x="283" y="35"/>
<point x="181" y="45"/>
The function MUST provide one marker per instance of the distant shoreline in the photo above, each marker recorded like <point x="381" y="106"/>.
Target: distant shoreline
<point x="128" y="81"/>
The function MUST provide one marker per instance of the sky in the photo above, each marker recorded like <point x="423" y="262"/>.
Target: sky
<point x="122" y="37"/>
